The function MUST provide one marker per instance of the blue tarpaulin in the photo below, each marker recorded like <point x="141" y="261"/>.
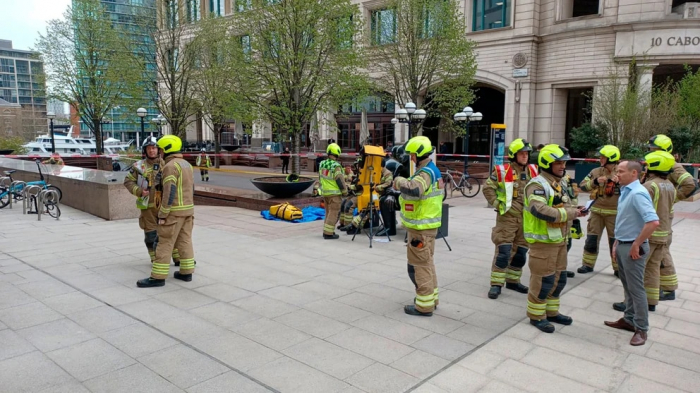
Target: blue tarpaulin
<point x="311" y="213"/>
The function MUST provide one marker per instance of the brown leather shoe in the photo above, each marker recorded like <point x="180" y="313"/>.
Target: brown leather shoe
<point x="639" y="338"/>
<point x="621" y="324"/>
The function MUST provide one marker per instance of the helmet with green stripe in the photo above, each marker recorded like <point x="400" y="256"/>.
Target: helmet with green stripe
<point x="517" y="146"/>
<point x="612" y="153"/>
<point x="552" y="153"/>
<point x="420" y="146"/>
<point x="662" y="142"/>
<point x="660" y="161"/>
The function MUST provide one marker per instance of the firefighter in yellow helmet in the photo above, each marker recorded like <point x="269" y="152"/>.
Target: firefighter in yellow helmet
<point x="545" y="223"/>
<point x="604" y="188"/>
<point x="504" y="191"/>
<point x="175" y="216"/>
<point x="421" y="214"/>
<point x="331" y="186"/>
<point x="204" y="163"/>
<point x="685" y="187"/>
<point x="659" y="166"/>
<point x="144" y="182"/>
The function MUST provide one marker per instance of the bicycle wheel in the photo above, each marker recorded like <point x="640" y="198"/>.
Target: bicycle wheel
<point x="4" y="197"/>
<point x="58" y="191"/>
<point x="470" y="187"/>
<point x="53" y="210"/>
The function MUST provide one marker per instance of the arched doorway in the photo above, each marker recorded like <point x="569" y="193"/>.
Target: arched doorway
<point x="490" y="101"/>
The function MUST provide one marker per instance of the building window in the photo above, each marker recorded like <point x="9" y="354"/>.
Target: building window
<point x="243" y="5"/>
<point x="194" y="13"/>
<point x="245" y="45"/>
<point x="7" y="65"/>
<point x="383" y="28"/>
<point x="217" y="7"/>
<point x="491" y="14"/>
<point x="345" y="32"/>
<point x="577" y="8"/>
<point x="172" y="15"/>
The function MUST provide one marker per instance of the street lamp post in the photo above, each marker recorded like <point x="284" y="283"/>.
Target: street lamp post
<point x="158" y="121"/>
<point x="466" y="116"/>
<point x="409" y="115"/>
<point x="141" y="112"/>
<point x="51" y="116"/>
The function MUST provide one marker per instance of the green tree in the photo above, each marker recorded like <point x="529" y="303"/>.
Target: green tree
<point x="89" y="61"/>
<point x="689" y="98"/>
<point x="13" y="143"/>
<point x="294" y="58"/>
<point x="211" y="83"/>
<point x="422" y="51"/>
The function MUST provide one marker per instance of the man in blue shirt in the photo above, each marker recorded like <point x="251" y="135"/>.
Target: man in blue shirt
<point x="636" y="221"/>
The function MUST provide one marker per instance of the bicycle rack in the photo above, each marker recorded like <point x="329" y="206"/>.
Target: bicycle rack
<point x="30" y="194"/>
<point x="13" y="186"/>
<point x="44" y="197"/>
<point x="5" y="181"/>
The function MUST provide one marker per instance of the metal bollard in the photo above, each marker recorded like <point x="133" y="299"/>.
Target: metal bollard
<point x="15" y="184"/>
<point x="46" y="196"/>
<point x="27" y="194"/>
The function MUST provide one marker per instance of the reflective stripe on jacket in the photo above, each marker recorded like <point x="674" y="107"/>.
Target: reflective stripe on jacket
<point x="535" y="229"/>
<point x="328" y="172"/>
<point x="423" y="211"/>
<point x="506" y="183"/>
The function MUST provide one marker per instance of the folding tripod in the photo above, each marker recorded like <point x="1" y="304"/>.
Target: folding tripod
<point x="369" y="212"/>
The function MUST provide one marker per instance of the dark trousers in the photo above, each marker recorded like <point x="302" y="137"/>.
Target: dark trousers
<point x="632" y="277"/>
<point x="285" y="166"/>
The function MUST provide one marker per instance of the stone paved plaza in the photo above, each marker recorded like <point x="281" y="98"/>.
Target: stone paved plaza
<point x="273" y="307"/>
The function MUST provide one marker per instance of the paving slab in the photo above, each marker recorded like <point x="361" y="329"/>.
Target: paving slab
<point x="269" y="310"/>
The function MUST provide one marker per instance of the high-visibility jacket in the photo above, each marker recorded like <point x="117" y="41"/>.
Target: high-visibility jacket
<point x="507" y="182"/>
<point x="537" y="230"/>
<point x="423" y="211"/>
<point x="178" y="188"/>
<point x="144" y="175"/>
<point x="204" y="163"/>
<point x="663" y="194"/>
<point x="328" y="173"/>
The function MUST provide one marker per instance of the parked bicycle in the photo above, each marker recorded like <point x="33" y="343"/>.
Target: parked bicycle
<point x="467" y="185"/>
<point x="16" y="192"/>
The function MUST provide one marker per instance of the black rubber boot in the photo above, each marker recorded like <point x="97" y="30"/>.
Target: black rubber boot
<point x="329" y="237"/>
<point x="585" y="269"/>
<point x="621" y="306"/>
<point x="517" y="287"/>
<point x="652" y="308"/>
<point x="561" y="319"/>
<point x="183" y="277"/>
<point x="150" y="282"/>
<point x="667" y="295"/>
<point x="411" y="310"/>
<point x="570" y="274"/>
<point x="176" y="263"/>
<point x="352" y="230"/>
<point x="543" y="325"/>
<point x="494" y="292"/>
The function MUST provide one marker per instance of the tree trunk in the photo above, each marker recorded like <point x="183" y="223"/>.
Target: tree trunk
<point x="296" y="148"/>
<point x="217" y="146"/>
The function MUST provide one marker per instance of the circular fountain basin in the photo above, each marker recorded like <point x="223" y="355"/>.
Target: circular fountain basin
<point x="278" y="187"/>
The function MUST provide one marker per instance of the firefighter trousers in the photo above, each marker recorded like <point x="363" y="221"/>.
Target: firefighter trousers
<point x="205" y="174"/>
<point x="511" y="249"/>
<point x="652" y="277"/>
<point x="421" y="268"/>
<point x="332" y="206"/>
<point x="148" y="221"/>
<point x="346" y="209"/>
<point x="669" y="279"/>
<point x="547" y="279"/>
<point x="596" y="223"/>
<point x="176" y="232"/>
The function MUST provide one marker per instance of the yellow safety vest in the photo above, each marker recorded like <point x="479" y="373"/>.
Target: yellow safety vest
<point x="536" y="230"/>
<point x="423" y="212"/>
<point x="326" y="173"/>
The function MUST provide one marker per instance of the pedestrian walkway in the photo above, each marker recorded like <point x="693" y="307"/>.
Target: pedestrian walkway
<point x="273" y="307"/>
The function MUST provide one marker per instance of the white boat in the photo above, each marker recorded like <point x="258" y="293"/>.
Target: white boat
<point x="67" y="145"/>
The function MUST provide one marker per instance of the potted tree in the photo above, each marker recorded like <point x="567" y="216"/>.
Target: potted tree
<point x="587" y="139"/>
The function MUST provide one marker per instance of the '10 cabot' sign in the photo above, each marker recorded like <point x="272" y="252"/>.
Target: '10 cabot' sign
<point x="675" y="41"/>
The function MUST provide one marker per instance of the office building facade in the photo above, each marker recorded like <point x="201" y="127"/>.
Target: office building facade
<point x="21" y="83"/>
<point x="119" y="122"/>
<point x="539" y="63"/>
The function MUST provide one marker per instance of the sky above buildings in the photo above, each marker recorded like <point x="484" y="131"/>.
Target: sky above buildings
<point x="22" y="20"/>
